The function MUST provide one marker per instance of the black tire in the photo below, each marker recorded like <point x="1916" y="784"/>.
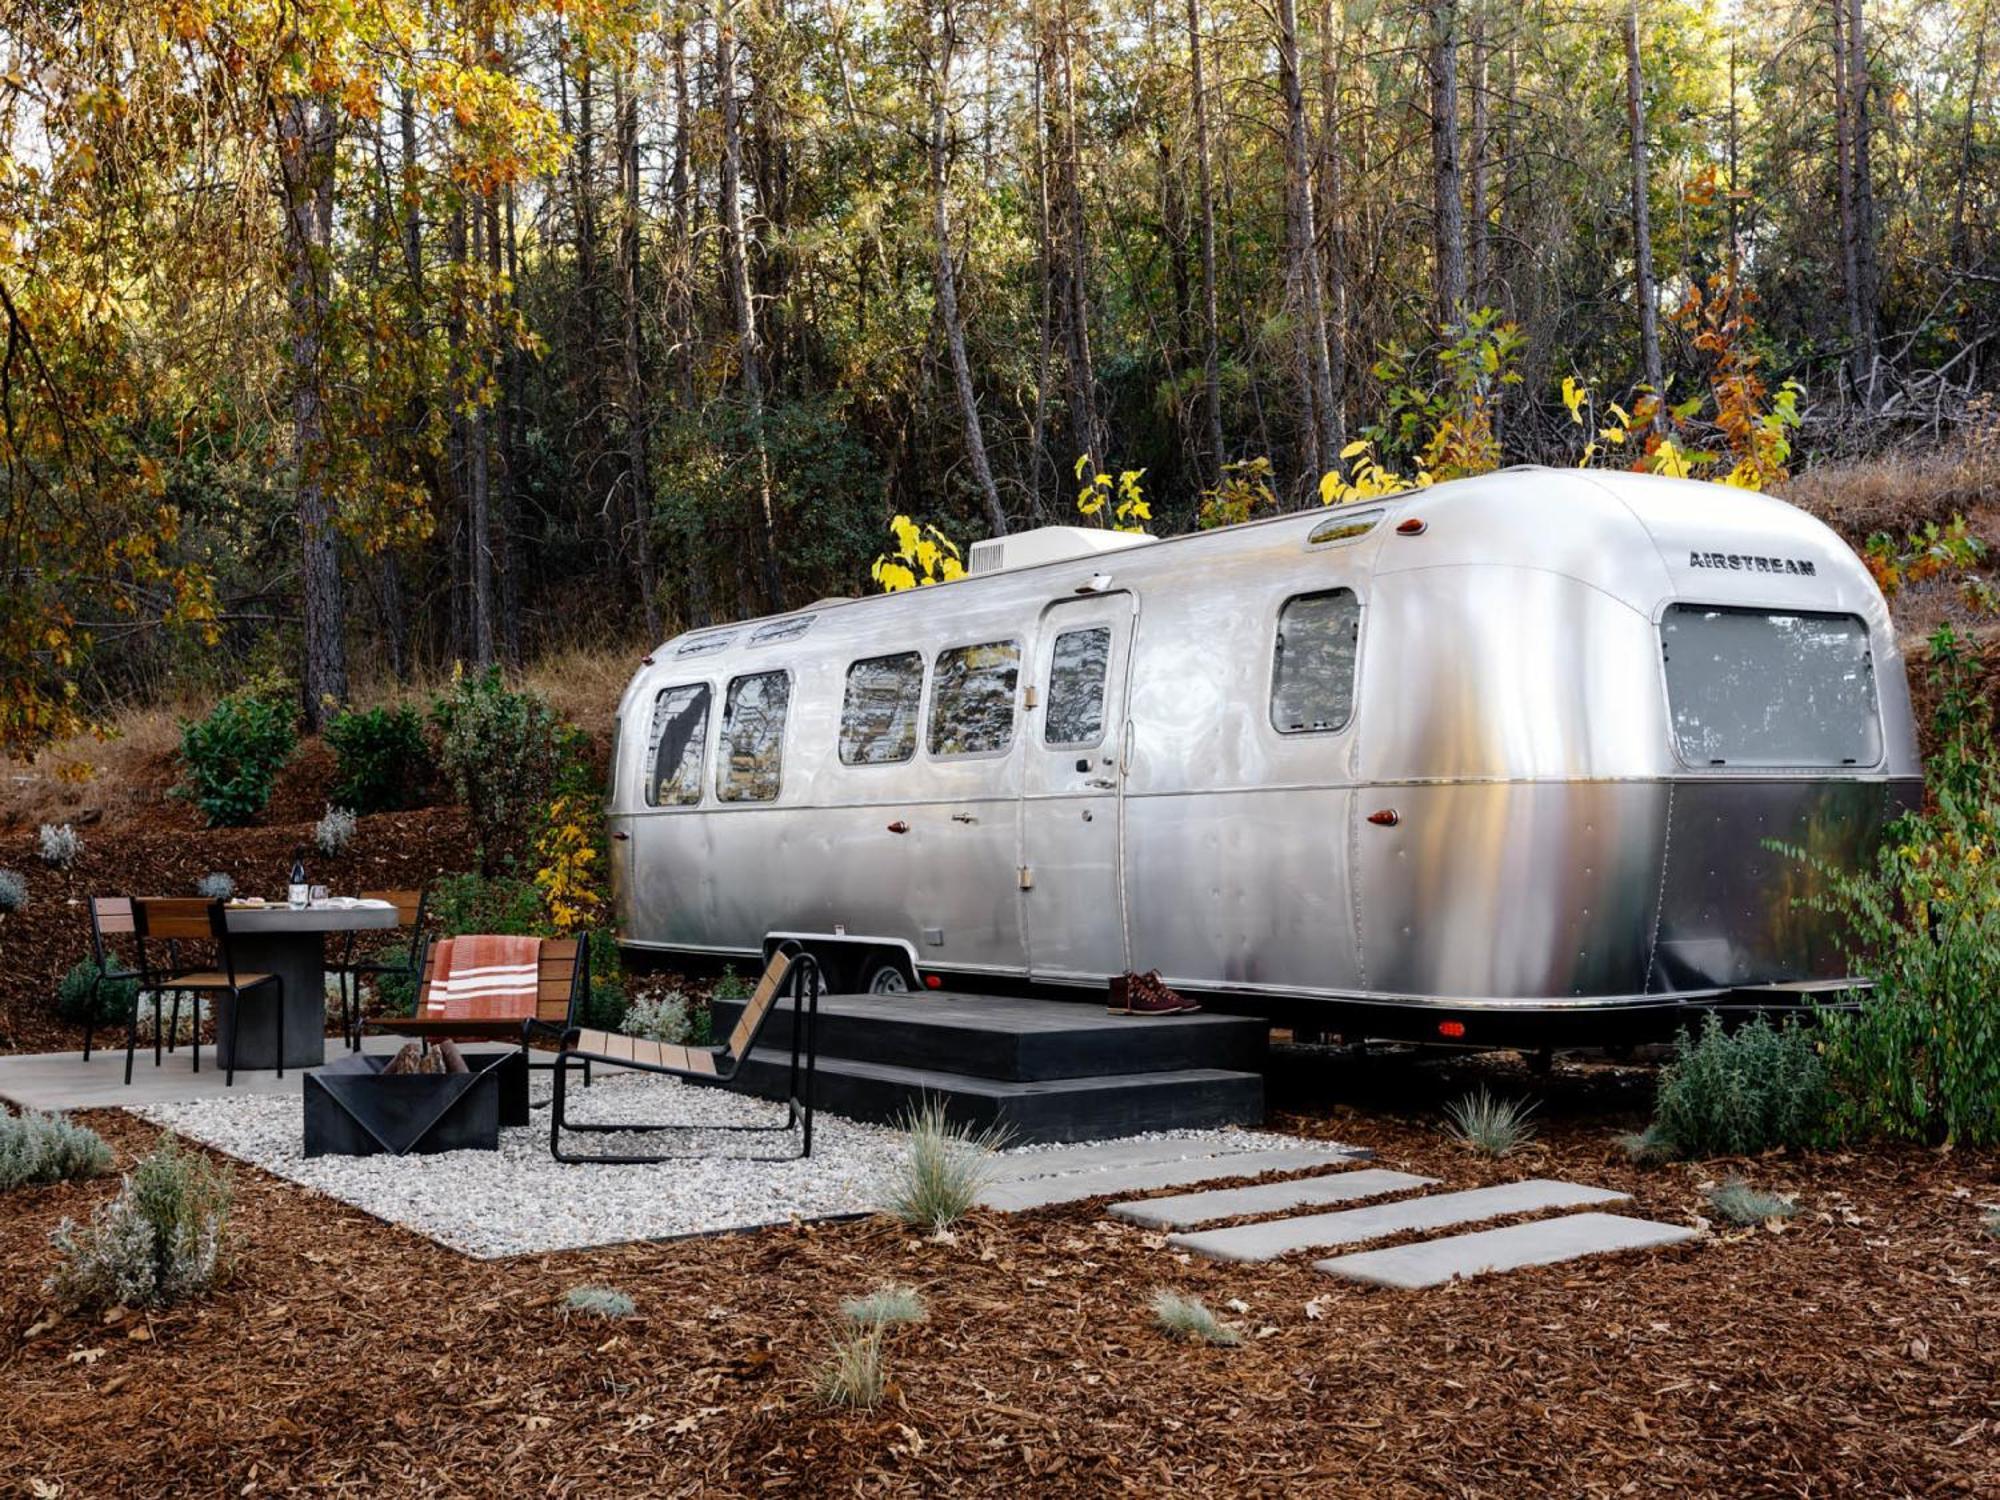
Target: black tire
<point x="884" y="974"/>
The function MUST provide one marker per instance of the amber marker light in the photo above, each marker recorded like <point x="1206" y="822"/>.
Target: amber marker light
<point x="1412" y="527"/>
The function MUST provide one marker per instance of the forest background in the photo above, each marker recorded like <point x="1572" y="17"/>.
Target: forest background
<point x="342" y="341"/>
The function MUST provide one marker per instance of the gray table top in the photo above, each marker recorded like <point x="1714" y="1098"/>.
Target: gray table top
<point x="255" y="920"/>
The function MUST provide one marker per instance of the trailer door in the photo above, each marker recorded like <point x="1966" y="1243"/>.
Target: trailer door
<point x="1072" y="802"/>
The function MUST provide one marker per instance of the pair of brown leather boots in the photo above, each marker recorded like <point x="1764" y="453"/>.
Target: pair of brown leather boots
<point x="1147" y="995"/>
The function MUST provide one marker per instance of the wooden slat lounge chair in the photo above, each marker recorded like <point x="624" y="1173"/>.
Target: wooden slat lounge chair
<point x="562" y="985"/>
<point x="177" y="919"/>
<point x="792" y="971"/>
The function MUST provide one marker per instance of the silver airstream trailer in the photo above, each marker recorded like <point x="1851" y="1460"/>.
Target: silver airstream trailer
<point x="1477" y="762"/>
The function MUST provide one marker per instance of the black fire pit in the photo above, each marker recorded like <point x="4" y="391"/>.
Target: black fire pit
<point x="353" y="1110"/>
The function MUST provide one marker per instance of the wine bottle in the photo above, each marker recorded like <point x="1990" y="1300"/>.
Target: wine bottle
<point x="300" y="892"/>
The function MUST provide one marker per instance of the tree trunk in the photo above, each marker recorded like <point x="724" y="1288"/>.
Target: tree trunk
<point x="308" y="130"/>
<point x="1038" y="427"/>
<point x="479" y="472"/>
<point x="748" y="355"/>
<point x="1961" y="243"/>
<point x="1866" y="278"/>
<point x="1320" y="437"/>
<point x="1843" y="135"/>
<point x="638" y="460"/>
<point x="1477" y="290"/>
<point x="1642" y="224"/>
<point x="947" y="281"/>
<point x="1329" y="219"/>
<point x="1211" y="354"/>
<point x="1088" y="432"/>
<point x="1448" y="208"/>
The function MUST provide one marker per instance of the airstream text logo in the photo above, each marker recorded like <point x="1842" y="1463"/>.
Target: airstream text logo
<point x="1737" y="562"/>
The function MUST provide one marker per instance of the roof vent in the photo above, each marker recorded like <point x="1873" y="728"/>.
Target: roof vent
<point x="1047" y="544"/>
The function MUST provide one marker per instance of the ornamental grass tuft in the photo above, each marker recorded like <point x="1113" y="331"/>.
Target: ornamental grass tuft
<point x="856" y="1372"/>
<point x="885" y="1307"/>
<point x="944" y="1167"/>
<point x="1489" y="1124"/>
<point x="1188" y="1319"/>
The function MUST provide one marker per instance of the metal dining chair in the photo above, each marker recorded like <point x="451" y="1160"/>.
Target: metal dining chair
<point x="177" y="919"/>
<point x="351" y="970"/>
<point x="110" y="916"/>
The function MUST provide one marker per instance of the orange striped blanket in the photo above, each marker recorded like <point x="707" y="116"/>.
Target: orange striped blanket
<point x="484" y="978"/>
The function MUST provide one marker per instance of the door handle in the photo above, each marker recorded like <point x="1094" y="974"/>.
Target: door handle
<point x="1103" y="782"/>
<point x="621" y="835"/>
<point x="963" y="818"/>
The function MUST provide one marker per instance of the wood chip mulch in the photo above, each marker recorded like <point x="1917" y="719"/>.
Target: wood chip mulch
<point x="1852" y="1352"/>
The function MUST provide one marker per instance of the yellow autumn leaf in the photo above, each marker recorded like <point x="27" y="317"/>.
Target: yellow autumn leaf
<point x="1573" y="396"/>
<point x="1359" y="445"/>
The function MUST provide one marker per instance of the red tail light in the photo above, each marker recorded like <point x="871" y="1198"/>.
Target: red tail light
<point x="1411" y="527"/>
<point x="1452" y="1029"/>
<point x="932" y="982"/>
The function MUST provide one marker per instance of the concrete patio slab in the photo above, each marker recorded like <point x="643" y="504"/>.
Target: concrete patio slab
<point x="66" y="1081"/>
<point x="1069" y="1187"/>
<point x="1275" y="1237"/>
<point x="1542" y="1243"/>
<point x="1018" y="1166"/>
<point x="1186" y="1209"/>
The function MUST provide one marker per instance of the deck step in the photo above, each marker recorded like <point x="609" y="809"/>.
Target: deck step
<point x="1274" y="1237"/>
<point x="1542" y="1242"/>
<point x="1184" y="1210"/>
<point x="1015" y="1039"/>
<point x="1071" y="1187"/>
<point x="1036" y="1111"/>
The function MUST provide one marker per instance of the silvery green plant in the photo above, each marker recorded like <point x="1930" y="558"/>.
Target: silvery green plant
<point x="36" y="1148"/>
<point x="664" y="1017"/>
<point x="1491" y="1125"/>
<point x="215" y="887"/>
<point x="885" y="1307"/>
<point x="59" y="845"/>
<point x="1188" y="1319"/>
<point x="599" y="1302"/>
<point x="161" y="1240"/>
<point x="334" y="832"/>
<point x="944" y="1167"/>
<point x="13" y="891"/>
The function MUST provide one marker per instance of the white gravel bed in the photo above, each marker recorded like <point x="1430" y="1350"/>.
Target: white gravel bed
<point x="521" y="1201"/>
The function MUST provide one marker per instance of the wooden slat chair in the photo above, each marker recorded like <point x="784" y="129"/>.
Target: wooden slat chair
<point x="111" y="917"/>
<point x="354" y="967"/>
<point x="792" y="971"/>
<point x="172" y="920"/>
<point x="562" y="985"/>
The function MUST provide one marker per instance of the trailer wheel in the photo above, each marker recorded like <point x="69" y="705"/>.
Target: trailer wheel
<point x="882" y="974"/>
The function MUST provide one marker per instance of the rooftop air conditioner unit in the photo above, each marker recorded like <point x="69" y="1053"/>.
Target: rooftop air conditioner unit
<point x="1047" y="544"/>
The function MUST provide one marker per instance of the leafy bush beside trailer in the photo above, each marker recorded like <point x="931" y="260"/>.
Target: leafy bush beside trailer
<point x="1476" y="760"/>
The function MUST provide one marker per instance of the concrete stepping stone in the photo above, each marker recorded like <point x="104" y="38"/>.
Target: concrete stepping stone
<point x="1541" y="1243"/>
<point x="1018" y="1166"/>
<point x="1068" y="1187"/>
<point x="1185" y="1209"/>
<point x="1275" y="1237"/>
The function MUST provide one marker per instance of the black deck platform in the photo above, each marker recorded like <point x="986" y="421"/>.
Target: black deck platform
<point x="1051" y="1070"/>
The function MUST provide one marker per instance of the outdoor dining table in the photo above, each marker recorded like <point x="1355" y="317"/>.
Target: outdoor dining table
<point x="289" y="941"/>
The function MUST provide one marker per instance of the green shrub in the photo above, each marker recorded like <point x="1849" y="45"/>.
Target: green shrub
<point x="944" y="1167"/>
<point x="1490" y="1125"/>
<point x="1189" y="1319"/>
<point x="395" y="994"/>
<point x="231" y="759"/>
<point x="159" y="1241"/>
<point x="380" y="760"/>
<point x="1738" y="1093"/>
<point x="1920" y="1058"/>
<point x="115" y="997"/>
<point x="732" y="985"/>
<point x="37" y="1148"/>
<point x="505" y="754"/>
<point x="483" y="903"/>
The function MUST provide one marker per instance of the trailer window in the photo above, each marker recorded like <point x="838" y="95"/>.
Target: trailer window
<point x="1754" y="687"/>
<point x="1076" y="687"/>
<point x="753" y="737"/>
<point x="878" y="717"/>
<point x="972" y="698"/>
<point x="675" y="746"/>
<point x="1312" y="672"/>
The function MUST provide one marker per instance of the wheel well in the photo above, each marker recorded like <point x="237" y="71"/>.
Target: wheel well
<point x="845" y="956"/>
